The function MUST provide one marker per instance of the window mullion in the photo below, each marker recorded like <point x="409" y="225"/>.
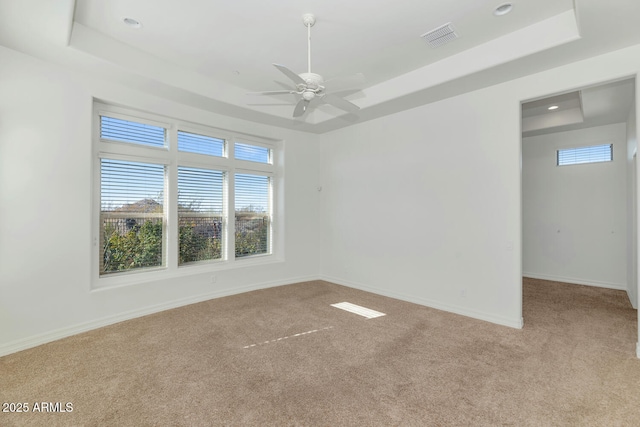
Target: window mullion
<point x="172" y="201"/>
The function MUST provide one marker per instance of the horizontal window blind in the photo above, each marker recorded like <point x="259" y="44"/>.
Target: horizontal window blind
<point x="131" y="186"/>
<point x="134" y="132"/>
<point x="591" y="154"/>
<point x="200" y="190"/>
<point x="200" y="144"/>
<point x="252" y="218"/>
<point x="252" y="193"/>
<point x="131" y="217"/>
<point x="200" y="207"/>
<point x="252" y="153"/>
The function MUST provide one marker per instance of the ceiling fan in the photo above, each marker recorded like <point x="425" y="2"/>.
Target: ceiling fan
<point x="312" y="88"/>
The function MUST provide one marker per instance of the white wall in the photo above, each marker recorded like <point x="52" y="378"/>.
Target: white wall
<point x="425" y="205"/>
<point x="632" y="207"/>
<point x="45" y="208"/>
<point x="575" y="217"/>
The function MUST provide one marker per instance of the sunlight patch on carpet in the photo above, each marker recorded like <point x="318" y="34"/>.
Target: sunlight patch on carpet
<point x="287" y="337"/>
<point x="362" y="311"/>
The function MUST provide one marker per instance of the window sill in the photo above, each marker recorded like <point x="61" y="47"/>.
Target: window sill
<point x="160" y="274"/>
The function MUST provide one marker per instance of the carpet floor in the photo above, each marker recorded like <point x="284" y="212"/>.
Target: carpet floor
<point x="285" y="357"/>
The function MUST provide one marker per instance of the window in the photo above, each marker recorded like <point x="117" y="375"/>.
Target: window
<point x="252" y="196"/>
<point x="200" y="214"/>
<point x="121" y="130"/>
<point x="131" y="215"/>
<point x="172" y="195"/>
<point x="252" y="153"/>
<point x="200" y="144"/>
<point x="592" y="154"/>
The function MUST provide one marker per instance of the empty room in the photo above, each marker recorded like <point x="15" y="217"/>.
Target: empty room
<point x="319" y="213"/>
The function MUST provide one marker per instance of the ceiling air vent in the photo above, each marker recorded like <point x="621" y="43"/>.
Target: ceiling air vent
<point x="441" y="35"/>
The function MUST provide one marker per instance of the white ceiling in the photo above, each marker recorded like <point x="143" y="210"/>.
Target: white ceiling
<point x="209" y="53"/>
<point x="216" y="38"/>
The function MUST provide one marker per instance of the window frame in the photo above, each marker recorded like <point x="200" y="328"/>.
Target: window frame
<point x="171" y="158"/>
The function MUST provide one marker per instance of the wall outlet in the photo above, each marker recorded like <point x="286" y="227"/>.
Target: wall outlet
<point x="463" y="293"/>
<point x="214" y="279"/>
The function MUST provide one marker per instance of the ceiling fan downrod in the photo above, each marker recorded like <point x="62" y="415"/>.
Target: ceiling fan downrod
<point x="308" y="19"/>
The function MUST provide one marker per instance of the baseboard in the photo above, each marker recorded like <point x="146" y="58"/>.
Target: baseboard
<point x="517" y="323"/>
<point x="574" y="281"/>
<point x="36" y="340"/>
<point x="632" y="300"/>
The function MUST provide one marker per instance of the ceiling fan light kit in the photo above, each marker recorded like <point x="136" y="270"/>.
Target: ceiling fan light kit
<point x="311" y="87"/>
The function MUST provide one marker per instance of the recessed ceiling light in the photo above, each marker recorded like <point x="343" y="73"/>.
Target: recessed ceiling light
<point x="133" y="23"/>
<point x="503" y="9"/>
<point x="553" y="107"/>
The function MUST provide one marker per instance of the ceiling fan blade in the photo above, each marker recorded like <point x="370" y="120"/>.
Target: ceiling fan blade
<point x="273" y="92"/>
<point x="342" y="104"/>
<point x="293" y="76"/>
<point x="285" y="86"/>
<point x="301" y="108"/>
<point x="345" y="82"/>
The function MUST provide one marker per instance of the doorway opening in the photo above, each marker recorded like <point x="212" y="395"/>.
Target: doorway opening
<point x="579" y="216"/>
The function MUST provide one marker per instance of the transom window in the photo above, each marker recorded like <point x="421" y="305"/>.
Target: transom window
<point x="169" y="195"/>
<point x="200" y="144"/>
<point x="580" y="155"/>
<point x="252" y="153"/>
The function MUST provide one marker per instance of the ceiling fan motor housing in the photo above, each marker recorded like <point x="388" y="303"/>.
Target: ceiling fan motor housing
<point x="314" y="81"/>
<point x="308" y="19"/>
